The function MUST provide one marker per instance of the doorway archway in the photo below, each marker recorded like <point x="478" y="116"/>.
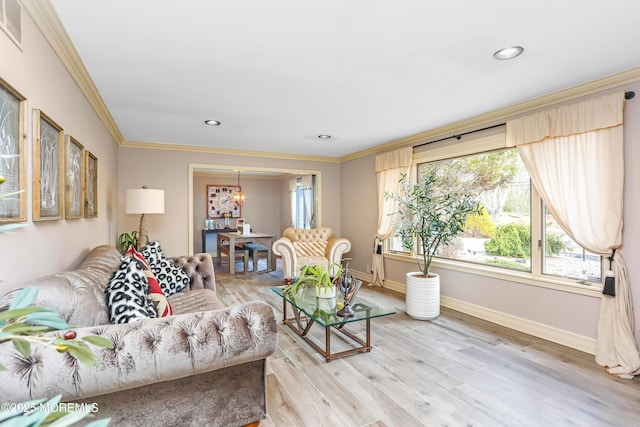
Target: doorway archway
<point x="229" y="171"/>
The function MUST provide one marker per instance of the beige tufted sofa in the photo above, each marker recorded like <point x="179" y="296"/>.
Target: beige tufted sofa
<point x="299" y="247"/>
<point x="203" y="366"/>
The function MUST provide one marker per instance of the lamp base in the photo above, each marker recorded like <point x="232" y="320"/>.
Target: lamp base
<point x="142" y="234"/>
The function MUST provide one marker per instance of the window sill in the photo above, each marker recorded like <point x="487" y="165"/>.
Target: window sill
<point x="564" y="285"/>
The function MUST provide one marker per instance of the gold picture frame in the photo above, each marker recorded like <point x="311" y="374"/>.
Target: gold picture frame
<point x="90" y="185"/>
<point x="13" y="163"/>
<point x="48" y="168"/>
<point x="74" y="179"/>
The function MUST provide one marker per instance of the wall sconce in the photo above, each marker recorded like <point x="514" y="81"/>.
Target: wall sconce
<point x="144" y="201"/>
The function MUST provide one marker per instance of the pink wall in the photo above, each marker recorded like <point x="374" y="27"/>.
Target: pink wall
<point x="50" y="246"/>
<point x="168" y="170"/>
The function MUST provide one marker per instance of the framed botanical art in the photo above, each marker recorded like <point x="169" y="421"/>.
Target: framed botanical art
<point x="48" y="168"/>
<point x="220" y="201"/>
<point x="12" y="155"/>
<point x="90" y="185"/>
<point x="74" y="179"/>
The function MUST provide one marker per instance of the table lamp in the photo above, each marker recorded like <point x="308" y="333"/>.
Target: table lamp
<point x="144" y="201"/>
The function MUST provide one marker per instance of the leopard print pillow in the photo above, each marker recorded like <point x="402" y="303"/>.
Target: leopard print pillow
<point x="128" y="294"/>
<point x="171" y="277"/>
<point x="152" y="252"/>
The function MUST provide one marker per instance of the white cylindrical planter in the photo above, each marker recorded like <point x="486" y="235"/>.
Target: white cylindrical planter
<point x="328" y="292"/>
<point x="423" y="296"/>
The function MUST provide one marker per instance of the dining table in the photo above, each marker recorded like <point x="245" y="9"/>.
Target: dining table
<point x="237" y="239"/>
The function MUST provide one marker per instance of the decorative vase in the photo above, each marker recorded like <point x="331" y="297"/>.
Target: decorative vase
<point x="423" y="296"/>
<point x="326" y="292"/>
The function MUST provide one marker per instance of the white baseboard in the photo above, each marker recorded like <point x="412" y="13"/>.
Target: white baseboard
<point x="540" y="330"/>
<point x="361" y="275"/>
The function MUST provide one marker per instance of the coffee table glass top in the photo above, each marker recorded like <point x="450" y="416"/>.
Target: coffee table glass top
<point x="323" y="310"/>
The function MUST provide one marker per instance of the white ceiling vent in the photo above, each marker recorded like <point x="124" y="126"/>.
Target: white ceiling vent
<point x="11" y="20"/>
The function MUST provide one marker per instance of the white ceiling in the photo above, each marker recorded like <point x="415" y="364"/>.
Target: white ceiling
<point x="279" y="73"/>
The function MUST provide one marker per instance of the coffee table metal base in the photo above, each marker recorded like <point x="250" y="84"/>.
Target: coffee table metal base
<point x="301" y="325"/>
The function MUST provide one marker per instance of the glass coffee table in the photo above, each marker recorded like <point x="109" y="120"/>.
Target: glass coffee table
<point x="309" y="309"/>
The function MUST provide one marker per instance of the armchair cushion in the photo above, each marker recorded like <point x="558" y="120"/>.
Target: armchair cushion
<point x="311" y="249"/>
<point x="320" y="261"/>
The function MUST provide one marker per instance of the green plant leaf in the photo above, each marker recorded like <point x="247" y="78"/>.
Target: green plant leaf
<point x="24" y="298"/>
<point x="99" y="341"/>
<point x="23" y="346"/>
<point x="18" y="418"/>
<point x="83" y="353"/>
<point x="42" y="415"/>
<point x="18" y="313"/>
<point x="50" y="318"/>
<point x="68" y="419"/>
<point x="2" y="368"/>
<point x="19" y="328"/>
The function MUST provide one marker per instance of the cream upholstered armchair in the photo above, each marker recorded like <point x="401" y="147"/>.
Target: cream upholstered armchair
<point x="299" y="247"/>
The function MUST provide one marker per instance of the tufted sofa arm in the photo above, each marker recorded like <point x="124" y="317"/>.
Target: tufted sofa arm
<point x="147" y="351"/>
<point x="199" y="268"/>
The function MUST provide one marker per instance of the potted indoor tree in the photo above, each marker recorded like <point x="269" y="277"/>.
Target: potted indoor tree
<point x="430" y="218"/>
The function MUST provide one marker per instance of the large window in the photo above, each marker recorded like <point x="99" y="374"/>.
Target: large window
<point x="506" y="233"/>
<point x="565" y="258"/>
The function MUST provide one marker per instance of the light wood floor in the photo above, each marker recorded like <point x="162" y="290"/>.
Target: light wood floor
<point x="454" y="371"/>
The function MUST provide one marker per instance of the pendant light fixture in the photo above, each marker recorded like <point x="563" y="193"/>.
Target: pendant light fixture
<point x="238" y="196"/>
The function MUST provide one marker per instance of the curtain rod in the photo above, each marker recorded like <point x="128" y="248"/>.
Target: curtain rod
<point x="627" y="95"/>
<point x="459" y="135"/>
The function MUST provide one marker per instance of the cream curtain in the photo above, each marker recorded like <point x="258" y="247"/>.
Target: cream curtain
<point x="292" y="200"/>
<point x="301" y="191"/>
<point x="389" y="169"/>
<point x="574" y="155"/>
<point x="307" y="195"/>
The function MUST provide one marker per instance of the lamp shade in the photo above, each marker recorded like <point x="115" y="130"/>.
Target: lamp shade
<point x="145" y="201"/>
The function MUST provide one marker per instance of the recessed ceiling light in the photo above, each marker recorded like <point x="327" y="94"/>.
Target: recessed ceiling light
<point x="212" y="122"/>
<point x="323" y="136"/>
<point x="508" y="53"/>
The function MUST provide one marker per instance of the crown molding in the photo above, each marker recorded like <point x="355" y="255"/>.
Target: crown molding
<point x="228" y="151"/>
<point x="46" y="19"/>
<point x="498" y="116"/>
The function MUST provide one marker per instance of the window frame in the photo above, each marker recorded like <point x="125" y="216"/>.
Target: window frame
<point x="479" y="143"/>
